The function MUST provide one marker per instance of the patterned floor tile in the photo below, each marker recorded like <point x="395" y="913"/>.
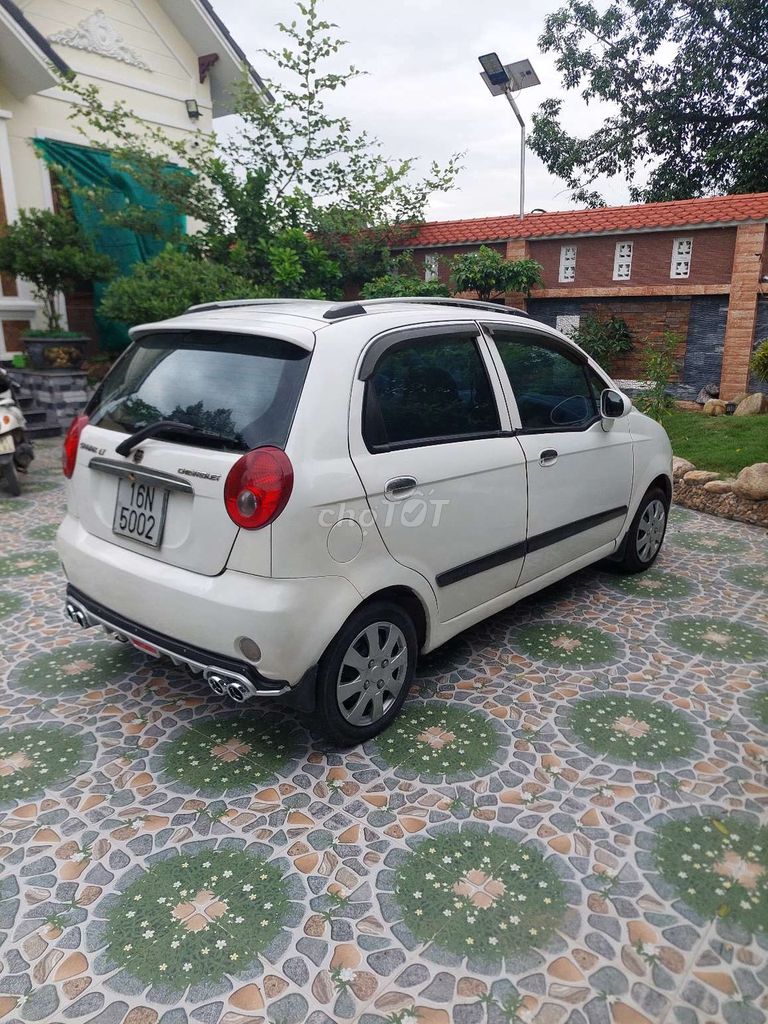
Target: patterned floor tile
<point x="566" y="825"/>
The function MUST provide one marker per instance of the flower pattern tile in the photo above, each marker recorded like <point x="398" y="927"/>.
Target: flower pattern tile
<point x="493" y="748"/>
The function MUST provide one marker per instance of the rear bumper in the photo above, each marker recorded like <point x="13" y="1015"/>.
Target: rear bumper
<point x="85" y="612"/>
<point x="198" y="619"/>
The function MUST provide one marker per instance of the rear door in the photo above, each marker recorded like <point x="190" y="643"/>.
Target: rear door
<point x="430" y="438"/>
<point x="164" y="499"/>
<point x="579" y="474"/>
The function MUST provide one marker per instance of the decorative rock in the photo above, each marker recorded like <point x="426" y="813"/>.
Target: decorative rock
<point x="565" y="970"/>
<point x="687" y="406"/>
<point x="714" y="407"/>
<point x="752" y="482"/>
<point x="274" y="986"/>
<point x="364" y="984"/>
<point x="700" y="476"/>
<point x="707" y="392"/>
<point x="720" y="980"/>
<point x="248" y="997"/>
<point x="346" y="955"/>
<point x="753" y="405"/>
<point x="471" y="988"/>
<point x="141" y="1015"/>
<point x="680" y="467"/>
<point x="322" y="988"/>
<point x="75" y="986"/>
<point x="428" y="1015"/>
<point x="719" y="486"/>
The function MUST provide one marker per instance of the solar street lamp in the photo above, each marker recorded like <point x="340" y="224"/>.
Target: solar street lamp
<point x="504" y="80"/>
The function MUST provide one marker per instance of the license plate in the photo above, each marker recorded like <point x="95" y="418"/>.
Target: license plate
<point x="140" y="511"/>
<point x="7" y="444"/>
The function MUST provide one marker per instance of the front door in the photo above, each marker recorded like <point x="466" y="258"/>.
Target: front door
<point x="579" y="474"/>
<point x="445" y="479"/>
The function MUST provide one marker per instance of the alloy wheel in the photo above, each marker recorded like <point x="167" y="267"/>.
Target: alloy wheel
<point x="372" y="673"/>
<point x="650" y="530"/>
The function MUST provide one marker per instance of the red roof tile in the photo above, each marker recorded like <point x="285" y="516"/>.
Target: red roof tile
<point x="640" y="217"/>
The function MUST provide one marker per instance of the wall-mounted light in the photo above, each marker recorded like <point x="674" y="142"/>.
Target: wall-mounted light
<point x="193" y="111"/>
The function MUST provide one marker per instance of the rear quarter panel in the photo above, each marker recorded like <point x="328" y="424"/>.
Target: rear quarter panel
<point x="652" y="455"/>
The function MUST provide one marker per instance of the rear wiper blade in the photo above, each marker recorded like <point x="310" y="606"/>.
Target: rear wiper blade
<point x="173" y="427"/>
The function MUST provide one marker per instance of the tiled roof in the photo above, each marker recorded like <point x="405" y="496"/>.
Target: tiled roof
<point x="640" y="217"/>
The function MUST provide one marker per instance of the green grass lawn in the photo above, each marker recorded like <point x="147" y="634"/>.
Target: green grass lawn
<point x="724" y="444"/>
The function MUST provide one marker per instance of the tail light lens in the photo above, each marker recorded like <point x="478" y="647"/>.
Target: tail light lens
<point x="71" y="444"/>
<point x="258" y="487"/>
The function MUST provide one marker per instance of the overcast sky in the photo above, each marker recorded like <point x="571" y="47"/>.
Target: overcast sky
<point x="423" y="96"/>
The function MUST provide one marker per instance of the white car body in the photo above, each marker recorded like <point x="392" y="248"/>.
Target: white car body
<point x="477" y="525"/>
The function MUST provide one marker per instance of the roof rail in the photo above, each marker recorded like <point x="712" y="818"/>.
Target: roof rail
<point x="345" y="309"/>
<point x="437" y="300"/>
<point x="203" y="307"/>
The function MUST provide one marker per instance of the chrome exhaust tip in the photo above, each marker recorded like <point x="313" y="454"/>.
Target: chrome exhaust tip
<point x="217" y="685"/>
<point x="237" y="692"/>
<point x="76" y="615"/>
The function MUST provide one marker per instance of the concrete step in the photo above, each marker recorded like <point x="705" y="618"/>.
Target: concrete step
<point x="46" y="429"/>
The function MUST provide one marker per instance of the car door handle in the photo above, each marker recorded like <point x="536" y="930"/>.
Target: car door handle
<point x="548" y="457"/>
<point x="400" y="487"/>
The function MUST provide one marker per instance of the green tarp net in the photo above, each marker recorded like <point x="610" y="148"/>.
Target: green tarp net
<point x="93" y="168"/>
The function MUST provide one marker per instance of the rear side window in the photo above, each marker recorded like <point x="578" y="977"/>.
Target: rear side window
<point x="551" y="389"/>
<point x="240" y="387"/>
<point x="426" y="391"/>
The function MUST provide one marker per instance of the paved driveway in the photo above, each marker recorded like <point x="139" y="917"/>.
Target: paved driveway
<point x="564" y="825"/>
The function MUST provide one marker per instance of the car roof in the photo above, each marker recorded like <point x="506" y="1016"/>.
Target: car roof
<point x="303" y="317"/>
<point x="300" y="320"/>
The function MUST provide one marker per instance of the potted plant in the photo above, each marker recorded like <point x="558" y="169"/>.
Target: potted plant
<point x="52" y="253"/>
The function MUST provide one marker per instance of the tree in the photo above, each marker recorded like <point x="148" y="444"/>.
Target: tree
<point x="490" y="275"/>
<point x="51" y="252"/>
<point x="290" y="166"/>
<point x="688" y="80"/>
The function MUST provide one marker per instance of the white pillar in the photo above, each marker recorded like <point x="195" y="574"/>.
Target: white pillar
<point x="9" y="192"/>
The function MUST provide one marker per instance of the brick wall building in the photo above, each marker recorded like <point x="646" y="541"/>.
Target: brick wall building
<point x="694" y="267"/>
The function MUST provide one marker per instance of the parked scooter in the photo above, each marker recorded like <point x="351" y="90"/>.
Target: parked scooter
<point x="16" y="451"/>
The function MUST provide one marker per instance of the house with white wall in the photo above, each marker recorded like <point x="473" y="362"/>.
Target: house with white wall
<point x="172" y="62"/>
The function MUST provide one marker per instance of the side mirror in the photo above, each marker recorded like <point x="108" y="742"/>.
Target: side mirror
<point x="614" y="405"/>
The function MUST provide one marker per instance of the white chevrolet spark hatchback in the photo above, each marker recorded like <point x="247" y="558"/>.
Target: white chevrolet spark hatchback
<point x="294" y="498"/>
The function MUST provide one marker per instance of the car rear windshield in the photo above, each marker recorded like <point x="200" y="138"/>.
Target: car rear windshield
<point x="237" y="387"/>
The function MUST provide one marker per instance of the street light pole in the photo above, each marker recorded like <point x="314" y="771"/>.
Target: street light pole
<point x="518" y="115"/>
<point x="501" y="79"/>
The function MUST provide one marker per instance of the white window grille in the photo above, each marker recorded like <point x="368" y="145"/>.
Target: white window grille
<point x="567" y="263"/>
<point x="622" y="261"/>
<point x="567" y="323"/>
<point x="681" y="257"/>
<point x="430" y="268"/>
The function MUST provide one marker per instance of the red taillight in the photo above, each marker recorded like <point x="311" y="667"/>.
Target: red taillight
<point x="258" y="487"/>
<point x="71" y="443"/>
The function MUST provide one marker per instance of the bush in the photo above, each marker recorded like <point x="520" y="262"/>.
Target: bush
<point x="396" y="286"/>
<point x="759" y="361"/>
<point x="659" y="365"/>
<point x="490" y="275"/>
<point x="166" y="285"/>
<point x="603" y="339"/>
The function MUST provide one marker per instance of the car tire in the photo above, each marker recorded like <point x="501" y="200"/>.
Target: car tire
<point x="645" y="536"/>
<point x="11" y="479"/>
<point x="359" y="691"/>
